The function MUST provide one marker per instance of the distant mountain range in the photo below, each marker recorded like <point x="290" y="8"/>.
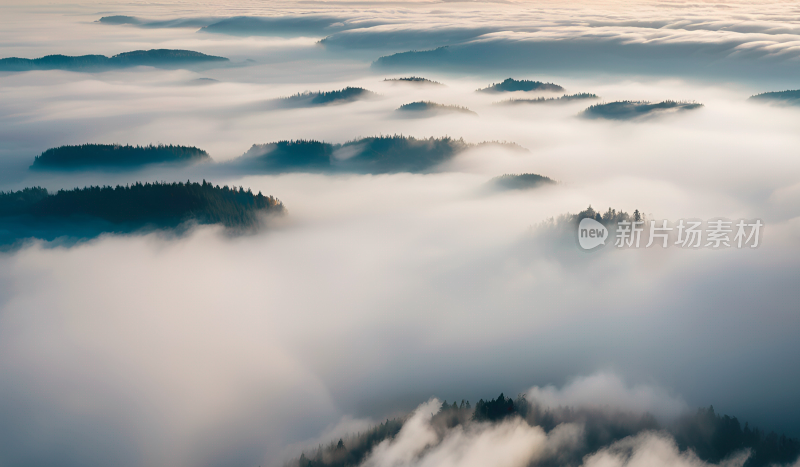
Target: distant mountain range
<point x="159" y="58"/>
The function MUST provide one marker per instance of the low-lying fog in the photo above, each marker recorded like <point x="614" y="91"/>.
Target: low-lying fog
<point x="377" y="292"/>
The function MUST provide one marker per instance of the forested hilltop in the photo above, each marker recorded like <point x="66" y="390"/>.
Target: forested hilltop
<point x="427" y="108"/>
<point x="379" y="154"/>
<point x="791" y="97"/>
<point x="159" y="58"/>
<point x="115" y="155"/>
<point x="319" y="98"/>
<point x="413" y="79"/>
<point x="512" y="85"/>
<point x="519" y="181"/>
<point x="712" y="437"/>
<point x="631" y="110"/>
<point x="87" y="212"/>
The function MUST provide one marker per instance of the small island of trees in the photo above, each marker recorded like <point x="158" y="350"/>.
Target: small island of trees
<point x="116" y="156"/>
<point x="378" y="154"/>
<point x="778" y="97"/>
<point x="519" y="181"/>
<point x="427" y="108"/>
<point x="87" y="212"/>
<point x="630" y="110"/>
<point x="312" y="99"/>
<point x="512" y="85"/>
<point x="414" y="80"/>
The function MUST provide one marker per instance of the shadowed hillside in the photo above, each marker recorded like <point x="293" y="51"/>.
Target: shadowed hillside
<point x="519" y="182"/>
<point x="779" y="97"/>
<point x="429" y="109"/>
<point x="116" y="156"/>
<point x="312" y="99"/>
<point x="161" y="58"/>
<point x="88" y="212"/>
<point x="630" y="110"/>
<point x="512" y="85"/>
<point x="381" y="154"/>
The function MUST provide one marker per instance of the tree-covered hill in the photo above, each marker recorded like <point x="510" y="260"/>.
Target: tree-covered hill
<point x="87" y="212"/>
<point x="512" y="85"/>
<point x="379" y="154"/>
<point x="712" y="437"/>
<point x="413" y="80"/>
<point x="631" y="110"/>
<point x="159" y="58"/>
<point x="551" y="100"/>
<point x="116" y="156"/>
<point x="313" y="99"/>
<point x="427" y="108"/>
<point x="519" y="181"/>
<point x="778" y="97"/>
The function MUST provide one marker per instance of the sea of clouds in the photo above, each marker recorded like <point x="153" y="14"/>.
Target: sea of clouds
<point x="377" y="292"/>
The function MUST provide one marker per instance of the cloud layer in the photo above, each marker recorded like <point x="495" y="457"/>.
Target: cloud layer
<point x="378" y="291"/>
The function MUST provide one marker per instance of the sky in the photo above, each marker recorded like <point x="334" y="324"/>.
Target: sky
<point x="377" y="293"/>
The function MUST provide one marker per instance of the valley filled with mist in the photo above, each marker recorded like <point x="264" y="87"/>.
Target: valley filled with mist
<point x="291" y="234"/>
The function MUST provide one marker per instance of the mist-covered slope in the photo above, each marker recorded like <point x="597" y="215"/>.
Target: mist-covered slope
<point x="513" y="85"/>
<point x="88" y="212"/>
<point x="159" y="58"/>
<point x="778" y="97"/>
<point x="632" y="110"/>
<point x="379" y="154"/>
<point x="319" y="98"/>
<point x="116" y="156"/>
<point x="495" y="431"/>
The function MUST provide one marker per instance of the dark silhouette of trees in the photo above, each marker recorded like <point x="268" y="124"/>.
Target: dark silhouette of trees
<point x="519" y="181"/>
<point x="413" y="79"/>
<point x="311" y="99"/>
<point x="433" y="107"/>
<point x="132" y="207"/>
<point x="380" y="154"/>
<point x="781" y="97"/>
<point x="284" y="156"/>
<point x="351" y="451"/>
<point x="115" y="155"/>
<point x="511" y="85"/>
<point x="494" y="410"/>
<point x="712" y="437"/>
<point x="629" y="110"/>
